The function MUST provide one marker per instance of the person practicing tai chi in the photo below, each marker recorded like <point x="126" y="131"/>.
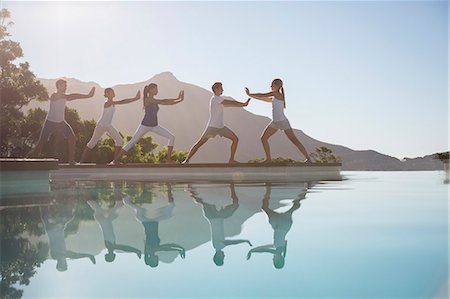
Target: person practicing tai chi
<point x="216" y="125"/>
<point x="150" y="220"/>
<point x="105" y="218"/>
<point x="55" y="121"/>
<point x="150" y="121"/>
<point x="281" y="224"/>
<point x="216" y="218"/>
<point x="279" y="120"/>
<point x="104" y="124"/>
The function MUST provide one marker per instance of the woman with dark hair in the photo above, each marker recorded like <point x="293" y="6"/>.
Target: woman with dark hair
<point x="150" y="121"/>
<point x="104" y="124"/>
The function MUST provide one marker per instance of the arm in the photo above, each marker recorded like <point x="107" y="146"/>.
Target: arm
<point x="76" y="255"/>
<point x="261" y="249"/>
<point x="77" y="96"/>
<point x="231" y="103"/>
<point x="260" y="96"/>
<point x="235" y="242"/>
<point x="171" y="101"/>
<point x="127" y="248"/>
<point x="172" y="247"/>
<point x="126" y="101"/>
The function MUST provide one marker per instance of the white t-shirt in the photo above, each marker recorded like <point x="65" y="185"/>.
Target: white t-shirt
<point x="107" y="116"/>
<point x="216" y="112"/>
<point x="56" y="110"/>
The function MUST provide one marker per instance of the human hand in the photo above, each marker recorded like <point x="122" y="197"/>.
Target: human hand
<point x="247" y="91"/>
<point x="91" y="93"/>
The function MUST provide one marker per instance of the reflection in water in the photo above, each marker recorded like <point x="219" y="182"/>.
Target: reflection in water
<point x="150" y="218"/>
<point x="104" y="218"/>
<point x="281" y="224"/>
<point x="55" y="219"/>
<point x="73" y="205"/>
<point x="216" y="219"/>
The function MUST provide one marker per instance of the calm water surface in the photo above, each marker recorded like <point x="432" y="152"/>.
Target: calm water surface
<point x="373" y="235"/>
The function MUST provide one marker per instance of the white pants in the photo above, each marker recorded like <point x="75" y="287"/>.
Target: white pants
<point x="98" y="133"/>
<point x="142" y="130"/>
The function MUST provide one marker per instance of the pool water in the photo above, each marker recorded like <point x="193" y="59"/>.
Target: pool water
<point x="372" y="235"/>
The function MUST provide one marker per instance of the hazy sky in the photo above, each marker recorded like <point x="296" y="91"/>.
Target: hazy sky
<point x="367" y="75"/>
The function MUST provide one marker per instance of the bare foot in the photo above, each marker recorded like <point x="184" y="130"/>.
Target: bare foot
<point x="267" y="161"/>
<point x="307" y="161"/>
<point x="73" y="162"/>
<point x="233" y="162"/>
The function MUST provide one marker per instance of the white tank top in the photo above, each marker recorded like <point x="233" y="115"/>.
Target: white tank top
<point x="107" y="116"/>
<point x="56" y="110"/>
<point x="278" y="110"/>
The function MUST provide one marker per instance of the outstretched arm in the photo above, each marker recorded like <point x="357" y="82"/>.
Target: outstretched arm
<point x="264" y="248"/>
<point x="260" y="96"/>
<point x="77" y="96"/>
<point x="76" y="255"/>
<point x="127" y="248"/>
<point x="171" y="101"/>
<point x="231" y="103"/>
<point x="172" y="247"/>
<point x="235" y="242"/>
<point x="126" y="101"/>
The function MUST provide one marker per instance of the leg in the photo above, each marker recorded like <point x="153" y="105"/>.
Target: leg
<point x="71" y="151"/>
<point x="268" y="132"/>
<point x="140" y="131"/>
<point x="166" y="133"/>
<point x="195" y="148"/>
<point x="118" y="140"/>
<point x="290" y="134"/>
<point x="234" y="143"/>
<point x="46" y="131"/>
<point x="86" y="151"/>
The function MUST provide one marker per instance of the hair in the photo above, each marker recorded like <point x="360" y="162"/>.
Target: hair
<point x="216" y="85"/>
<point x="151" y="260"/>
<point x="218" y="258"/>
<point x="279" y="83"/>
<point x="60" y="81"/>
<point x="110" y="257"/>
<point x="108" y="90"/>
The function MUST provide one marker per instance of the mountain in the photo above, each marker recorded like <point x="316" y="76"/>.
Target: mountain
<point x="187" y="121"/>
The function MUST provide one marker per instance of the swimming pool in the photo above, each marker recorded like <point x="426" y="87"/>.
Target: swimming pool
<point x="374" y="234"/>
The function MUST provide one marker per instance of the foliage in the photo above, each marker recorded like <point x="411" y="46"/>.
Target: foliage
<point x="324" y="155"/>
<point x="275" y="160"/>
<point x="444" y="157"/>
<point x="18" y="86"/>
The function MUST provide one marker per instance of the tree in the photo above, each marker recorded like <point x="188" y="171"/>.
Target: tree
<point x="324" y="155"/>
<point x="18" y="86"/>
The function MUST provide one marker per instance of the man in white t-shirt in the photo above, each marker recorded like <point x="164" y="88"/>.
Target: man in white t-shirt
<point x="55" y="120"/>
<point x="216" y="125"/>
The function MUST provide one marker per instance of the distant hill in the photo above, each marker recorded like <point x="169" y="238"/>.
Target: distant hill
<point x="188" y="119"/>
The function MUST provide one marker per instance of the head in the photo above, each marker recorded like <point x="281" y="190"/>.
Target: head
<point x="151" y="260"/>
<point x="219" y="257"/>
<point x="151" y="90"/>
<point x="61" y="85"/>
<point x="278" y="261"/>
<point x="110" y="257"/>
<point x="61" y="264"/>
<point x="217" y="88"/>
<point x="109" y="93"/>
<point x="277" y="84"/>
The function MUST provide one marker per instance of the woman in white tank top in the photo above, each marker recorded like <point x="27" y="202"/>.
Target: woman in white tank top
<point x="104" y="124"/>
<point x="279" y="120"/>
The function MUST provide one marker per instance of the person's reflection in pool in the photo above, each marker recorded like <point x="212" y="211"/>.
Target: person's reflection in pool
<point x="104" y="218"/>
<point x="150" y="221"/>
<point x="216" y="219"/>
<point x="55" y="219"/>
<point x="281" y="224"/>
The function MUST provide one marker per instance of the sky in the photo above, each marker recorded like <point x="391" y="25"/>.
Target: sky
<point x="363" y="74"/>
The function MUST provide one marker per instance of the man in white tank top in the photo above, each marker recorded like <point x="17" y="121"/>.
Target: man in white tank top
<point x="55" y="121"/>
<point x="216" y="125"/>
